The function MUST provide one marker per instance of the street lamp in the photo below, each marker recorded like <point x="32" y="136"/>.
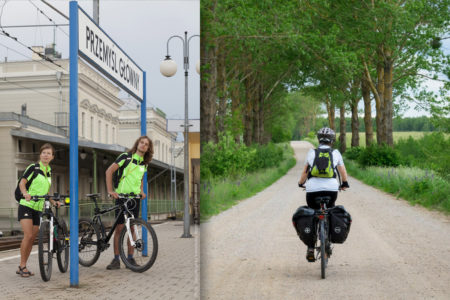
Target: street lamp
<point x="168" y="68"/>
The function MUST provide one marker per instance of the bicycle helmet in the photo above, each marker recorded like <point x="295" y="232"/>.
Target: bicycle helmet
<point x="326" y="135"/>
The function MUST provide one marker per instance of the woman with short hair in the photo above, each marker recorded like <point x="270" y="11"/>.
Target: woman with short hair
<point x="30" y="211"/>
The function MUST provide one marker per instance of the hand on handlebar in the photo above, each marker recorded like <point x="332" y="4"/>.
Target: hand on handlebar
<point x="344" y="185"/>
<point x="302" y="185"/>
<point x="27" y="196"/>
<point x="143" y="195"/>
<point x="56" y="203"/>
<point x="114" y="195"/>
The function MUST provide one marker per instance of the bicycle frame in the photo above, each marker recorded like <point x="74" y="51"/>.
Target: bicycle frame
<point x="98" y="220"/>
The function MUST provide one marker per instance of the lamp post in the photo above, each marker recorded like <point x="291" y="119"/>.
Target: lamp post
<point x="168" y="68"/>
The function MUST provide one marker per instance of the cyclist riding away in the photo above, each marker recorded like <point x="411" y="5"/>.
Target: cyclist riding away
<point x="130" y="167"/>
<point x="35" y="181"/>
<point x="322" y="168"/>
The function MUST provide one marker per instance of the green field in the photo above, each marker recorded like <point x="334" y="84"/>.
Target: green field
<point x="397" y="135"/>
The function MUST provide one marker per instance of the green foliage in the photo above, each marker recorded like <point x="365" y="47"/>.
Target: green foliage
<point x="221" y="193"/>
<point x="429" y="152"/>
<point x="266" y="156"/>
<point x="379" y="156"/>
<point x="399" y="124"/>
<point x="353" y="153"/>
<point x="230" y="159"/>
<point x="415" y="185"/>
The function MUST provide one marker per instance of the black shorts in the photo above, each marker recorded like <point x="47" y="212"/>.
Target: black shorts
<point x="310" y="198"/>
<point x="134" y="210"/>
<point x="24" y="212"/>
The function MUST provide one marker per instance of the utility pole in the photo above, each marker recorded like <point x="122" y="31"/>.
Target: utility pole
<point x="96" y="11"/>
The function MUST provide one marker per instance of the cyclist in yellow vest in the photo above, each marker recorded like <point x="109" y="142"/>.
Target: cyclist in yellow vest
<point x="29" y="212"/>
<point x="131" y="181"/>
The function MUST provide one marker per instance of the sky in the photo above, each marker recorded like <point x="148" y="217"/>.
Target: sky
<point x="140" y="28"/>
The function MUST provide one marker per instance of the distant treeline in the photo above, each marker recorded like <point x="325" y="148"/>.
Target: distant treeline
<point x="399" y="124"/>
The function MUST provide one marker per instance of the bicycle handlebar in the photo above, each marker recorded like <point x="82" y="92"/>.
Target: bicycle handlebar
<point x="130" y="196"/>
<point x="55" y="197"/>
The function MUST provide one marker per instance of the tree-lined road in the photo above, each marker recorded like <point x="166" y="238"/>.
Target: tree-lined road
<point x="394" y="250"/>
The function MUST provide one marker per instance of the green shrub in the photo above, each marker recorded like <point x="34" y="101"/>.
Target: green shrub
<point x="266" y="156"/>
<point x="379" y="156"/>
<point x="353" y="153"/>
<point x="230" y="159"/>
<point x="428" y="152"/>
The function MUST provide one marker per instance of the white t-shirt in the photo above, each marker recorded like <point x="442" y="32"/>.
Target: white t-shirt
<point x="318" y="184"/>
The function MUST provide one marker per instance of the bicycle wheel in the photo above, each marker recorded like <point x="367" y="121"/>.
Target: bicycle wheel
<point x="44" y="252"/>
<point x="88" y="237"/>
<point x="62" y="240"/>
<point x="323" y="255"/>
<point x="146" y="246"/>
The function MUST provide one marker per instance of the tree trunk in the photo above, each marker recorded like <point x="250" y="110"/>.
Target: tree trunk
<point x="236" y="110"/>
<point x="222" y="92"/>
<point x="208" y="92"/>
<point x="255" y="111"/>
<point x="355" y="122"/>
<point x="248" y="123"/>
<point x="367" y="112"/>
<point x="331" y="113"/>
<point x="381" y="126"/>
<point x="261" y="116"/>
<point x="388" y="107"/>
<point x="248" y="115"/>
<point x="342" y="140"/>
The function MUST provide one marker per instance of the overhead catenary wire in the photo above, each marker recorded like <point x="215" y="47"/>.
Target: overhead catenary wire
<point x="43" y="56"/>
<point x="38" y="61"/>
<point x="50" y="19"/>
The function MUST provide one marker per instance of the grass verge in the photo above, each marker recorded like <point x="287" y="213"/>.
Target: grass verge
<point x="219" y="194"/>
<point x="412" y="184"/>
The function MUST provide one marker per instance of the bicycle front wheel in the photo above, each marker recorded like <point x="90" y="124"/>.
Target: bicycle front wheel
<point x="145" y="247"/>
<point x="44" y="252"/>
<point x="62" y="240"/>
<point x="323" y="254"/>
<point x="88" y="239"/>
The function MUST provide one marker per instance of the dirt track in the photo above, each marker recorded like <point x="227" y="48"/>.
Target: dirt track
<point x="394" y="250"/>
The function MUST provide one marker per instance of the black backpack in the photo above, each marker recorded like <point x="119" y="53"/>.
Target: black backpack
<point x="17" y="193"/>
<point x="117" y="176"/>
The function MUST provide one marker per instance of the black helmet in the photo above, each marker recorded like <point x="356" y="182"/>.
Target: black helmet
<point x="326" y="135"/>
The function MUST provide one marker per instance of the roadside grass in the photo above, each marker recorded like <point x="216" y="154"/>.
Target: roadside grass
<point x="412" y="184"/>
<point x="219" y="194"/>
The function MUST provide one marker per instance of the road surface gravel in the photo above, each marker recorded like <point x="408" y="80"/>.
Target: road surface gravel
<point x="394" y="250"/>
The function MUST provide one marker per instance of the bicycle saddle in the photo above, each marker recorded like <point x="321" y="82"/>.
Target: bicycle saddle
<point x="93" y="195"/>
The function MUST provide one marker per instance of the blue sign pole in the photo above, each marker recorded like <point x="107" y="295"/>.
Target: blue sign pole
<point x="144" y="132"/>
<point x="73" y="143"/>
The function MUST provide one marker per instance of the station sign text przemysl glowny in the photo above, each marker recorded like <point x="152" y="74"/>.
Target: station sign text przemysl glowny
<point x="97" y="47"/>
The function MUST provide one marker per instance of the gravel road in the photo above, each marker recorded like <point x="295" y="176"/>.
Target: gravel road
<point x="394" y="250"/>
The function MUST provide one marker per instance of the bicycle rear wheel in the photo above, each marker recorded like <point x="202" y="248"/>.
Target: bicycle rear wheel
<point x="44" y="252"/>
<point x="88" y="238"/>
<point x="62" y="240"/>
<point x="323" y="254"/>
<point x="146" y="246"/>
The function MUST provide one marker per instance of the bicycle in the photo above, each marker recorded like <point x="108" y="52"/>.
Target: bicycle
<point x="136" y="234"/>
<point x="53" y="238"/>
<point x="324" y="248"/>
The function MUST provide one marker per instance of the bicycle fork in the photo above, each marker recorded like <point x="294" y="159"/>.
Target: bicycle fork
<point x="130" y="233"/>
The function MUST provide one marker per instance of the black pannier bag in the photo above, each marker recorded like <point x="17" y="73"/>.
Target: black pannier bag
<point x="304" y="224"/>
<point x="340" y="222"/>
